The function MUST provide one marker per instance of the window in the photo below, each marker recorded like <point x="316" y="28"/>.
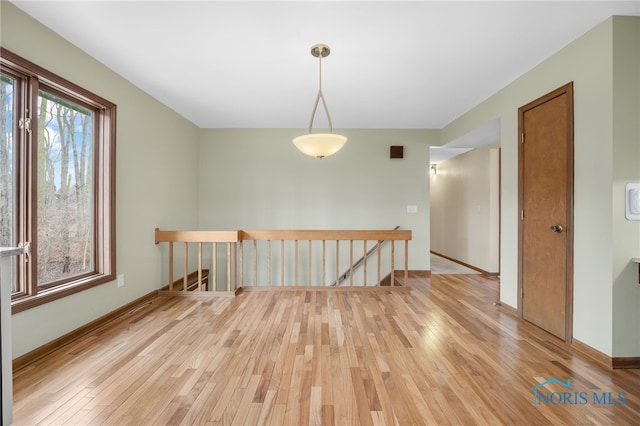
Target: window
<point x="57" y="183"/>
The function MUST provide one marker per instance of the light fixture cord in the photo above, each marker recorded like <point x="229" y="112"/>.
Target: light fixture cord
<point x="318" y="97"/>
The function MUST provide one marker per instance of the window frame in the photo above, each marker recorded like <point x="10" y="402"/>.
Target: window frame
<point x="31" y="78"/>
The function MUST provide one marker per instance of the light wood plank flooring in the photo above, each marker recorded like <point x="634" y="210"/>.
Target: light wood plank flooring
<point x="441" y="354"/>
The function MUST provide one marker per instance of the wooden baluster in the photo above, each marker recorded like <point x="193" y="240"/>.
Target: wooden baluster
<point x="214" y="264"/>
<point x="171" y="266"/>
<point x="379" y="262"/>
<point x="237" y="247"/>
<point x="229" y="266"/>
<point x="324" y="263"/>
<point x="295" y="262"/>
<point x="365" y="261"/>
<point x="238" y="264"/>
<point x="350" y="263"/>
<point x="186" y="260"/>
<point x="393" y="264"/>
<point x="199" y="266"/>
<point x="269" y="263"/>
<point x="406" y="263"/>
<point x="338" y="263"/>
<point x="282" y="262"/>
<point x="255" y="263"/>
<point x="310" y="261"/>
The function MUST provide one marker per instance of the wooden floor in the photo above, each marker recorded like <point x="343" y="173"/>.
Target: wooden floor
<point x="441" y="354"/>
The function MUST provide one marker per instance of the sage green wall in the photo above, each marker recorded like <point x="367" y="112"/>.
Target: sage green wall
<point x="626" y="168"/>
<point x="257" y="179"/>
<point x="153" y="142"/>
<point x="589" y="63"/>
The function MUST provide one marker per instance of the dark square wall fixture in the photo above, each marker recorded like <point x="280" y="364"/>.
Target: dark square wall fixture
<point x="396" y="152"/>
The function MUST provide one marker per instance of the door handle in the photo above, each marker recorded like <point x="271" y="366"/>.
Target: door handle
<point x="557" y="228"/>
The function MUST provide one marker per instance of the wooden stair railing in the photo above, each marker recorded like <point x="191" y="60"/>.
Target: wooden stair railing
<point x="199" y="237"/>
<point x="361" y="261"/>
<point x="323" y="236"/>
<point x="237" y="266"/>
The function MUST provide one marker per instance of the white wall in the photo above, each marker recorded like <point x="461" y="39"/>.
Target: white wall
<point x="257" y="179"/>
<point x="465" y="209"/>
<point x="156" y="178"/>
<point x="588" y="62"/>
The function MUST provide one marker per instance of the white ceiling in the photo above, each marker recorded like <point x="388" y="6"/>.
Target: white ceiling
<point x="417" y="64"/>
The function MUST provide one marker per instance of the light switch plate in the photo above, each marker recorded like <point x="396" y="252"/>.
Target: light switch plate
<point x="412" y="208"/>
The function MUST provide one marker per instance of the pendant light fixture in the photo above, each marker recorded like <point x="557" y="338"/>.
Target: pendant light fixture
<point x="320" y="145"/>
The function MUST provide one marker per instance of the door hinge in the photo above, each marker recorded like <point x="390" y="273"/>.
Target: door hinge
<point x="521" y="214"/>
<point x="25" y="124"/>
<point x="521" y="137"/>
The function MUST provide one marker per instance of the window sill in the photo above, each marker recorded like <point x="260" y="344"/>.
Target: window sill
<point x="24" y="303"/>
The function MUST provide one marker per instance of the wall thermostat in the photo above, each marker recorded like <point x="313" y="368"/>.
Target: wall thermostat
<point x="632" y="201"/>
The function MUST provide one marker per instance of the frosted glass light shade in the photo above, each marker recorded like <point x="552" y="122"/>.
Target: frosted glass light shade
<point x="320" y="145"/>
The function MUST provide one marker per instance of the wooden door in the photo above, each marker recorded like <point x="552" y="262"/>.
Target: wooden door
<point x="546" y="210"/>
